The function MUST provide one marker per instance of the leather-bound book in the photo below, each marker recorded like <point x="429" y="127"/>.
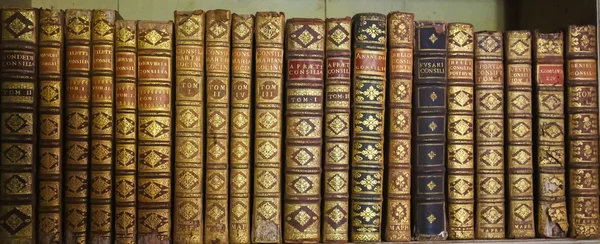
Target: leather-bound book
<point x="489" y="156"/>
<point x="305" y="56"/>
<point x="77" y="132"/>
<point x="337" y="130"/>
<point x="218" y="51"/>
<point x="154" y="118"/>
<point x="269" y="34"/>
<point x="519" y="135"/>
<point x="582" y="124"/>
<point x="50" y="120"/>
<point x="399" y="100"/>
<point x="461" y="133"/>
<point x="369" y="35"/>
<point x="102" y="125"/>
<point x="18" y="134"/>
<point x="125" y="131"/>
<point x="429" y="130"/>
<point x="240" y="126"/>
<point x="189" y="126"/>
<point x="549" y="137"/>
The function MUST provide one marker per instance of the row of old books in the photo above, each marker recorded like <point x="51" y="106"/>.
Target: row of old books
<point x="382" y="128"/>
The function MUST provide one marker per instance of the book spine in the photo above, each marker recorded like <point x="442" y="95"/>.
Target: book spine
<point x="50" y="120"/>
<point x="549" y="136"/>
<point x="77" y="133"/>
<point x="369" y="78"/>
<point x="582" y="124"/>
<point x="218" y="51"/>
<point x="400" y="68"/>
<point x="241" y="119"/>
<point x="304" y="118"/>
<point x="189" y="128"/>
<point x="489" y="107"/>
<point x="155" y="128"/>
<point x="269" y="34"/>
<point x="125" y="131"/>
<point x="337" y="130"/>
<point x="461" y="133"/>
<point x="520" y="209"/>
<point x="102" y="121"/>
<point x="429" y="143"/>
<point x="18" y="134"/>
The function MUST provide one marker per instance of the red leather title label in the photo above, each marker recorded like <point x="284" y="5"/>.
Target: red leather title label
<point x="338" y="68"/>
<point x="189" y="58"/>
<point x="78" y="58"/>
<point x="126" y="95"/>
<point x="550" y="74"/>
<point x="154" y="68"/>
<point x="102" y="89"/>
<point x="305" y="69"/>
<point x="50" y="60"/>
<point x="78" y="89"/>
<point x="583" y="69"/>
<point x="154" y="98"/>
<point x="460" y="68"/>
<point x="125" y="65"/>
<point x="269" y="59"/>
<point x="369" y="62"/>
<point x="241" y="62"/>
<point x="103" y="57"/>
<point x="217" y="59"/>
<point x="401" y="60"/>
<point x="18" y="61"/>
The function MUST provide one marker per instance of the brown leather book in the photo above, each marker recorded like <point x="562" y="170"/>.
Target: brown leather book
<point x="125" y="131"/>
<point x="102" y="125"/>
<point x="519" y="134"/>
<point x="241" y="120"/>
<point x="489" y="106"/>
<point x="582" y="124"/>
<point x="189" y="126"/>
<point x="218" y="51"/>
<point x="155" y="43"/>
<point x="369" y="33"/>
<point x="50" y="120"/>
<point x="460" y="132"/>
<point x="400" y="70"/>
<point x="77" y="132"/>
<point x="269" y="34"/>
<point x="549" y="136"/>
<point x="337" y="129"/>
<point x="304" y="118"/>
<point x="19" y="88"/>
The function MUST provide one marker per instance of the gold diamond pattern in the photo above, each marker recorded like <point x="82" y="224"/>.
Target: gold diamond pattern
<point x="433" y="96"/>
<point x="152" y="190"/>
<point x="269" y="30"/>
<point x="433" y="38"/>
<point x="521" y="129"/>
<point x="431" y="154"/>
<point x="492" y="158"/>
<point x="523" y="211"/>
<point x="432" y="126"/>
<point x="154" y="129"/>
<point x="492" y="186"/>
<point x="302" y="217"/>
<point x="304" y="128"/>
<point x="492" y="215"/>
<point x="17" y="26"/>
<point x="461" y="187"/>
<point x="302" y="157"/>
<point x="302" y="185"/>
<point x="305" y="37"/>
<point x="336" y="215"/>
<point x="431" y="218"/>
<point x="338" y="36"/>
<point x="153" y="37"/>
<point x="101" y="28"/>
<point x="337" y="125"/>
<point x="523" y="185"/>
<point x="431" y="185"/>
<point x="188" y="118"/>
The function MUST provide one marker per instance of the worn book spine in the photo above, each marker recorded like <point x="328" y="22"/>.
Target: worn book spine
<point x="50" y="120"/>
<point x="582" y="124"/>
<point x="305" y="56"/>
<point x="550" y="146"/>
<point x="18" y="134"/>
<point x="337" y="130"/>
<point x="489" y="156"/>
<point x="399" y="101"/>
<point x="77" y="133"/>
<point x="429" y="130"/>
<point x="369" y="78"/>
<point x="189" y="126"/>
<point x="241" y="120"/>
<point x="218" y="51"/>
<point x="154" y="118"/>
<point x="125" y="131"/>
<point x="102" y="125"/>
<point x="460" y="132"/>
<point x="269" y="34"/>
<point x="519" y="135"/>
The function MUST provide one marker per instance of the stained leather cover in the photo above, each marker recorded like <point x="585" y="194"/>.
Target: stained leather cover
<point x="429" y="132"/>
<point x="461" y="133"/>
<point x="369" y="35"/>
<point x="582" y="124"/>
<point x="304" y="135"/>
<point x="337" y="129"/>
<point x="400" y="79"/>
